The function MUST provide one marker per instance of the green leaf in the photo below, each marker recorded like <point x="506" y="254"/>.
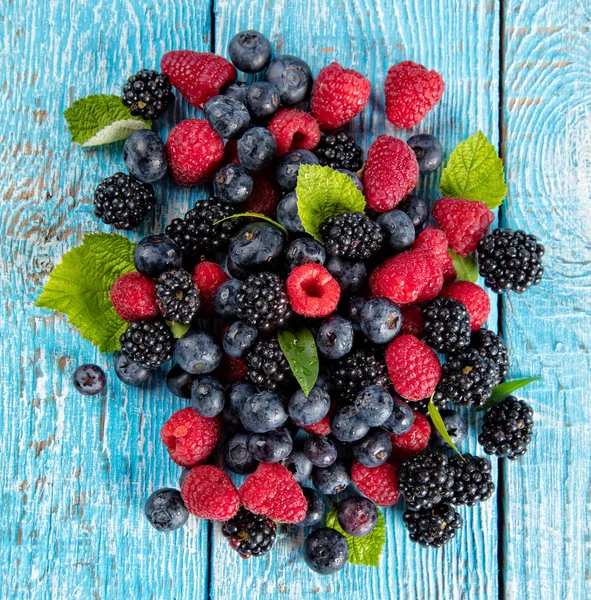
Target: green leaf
<point x="256" y="216"/>
<point x="501" y="391"/>
<point x="364" y="550"/>
<point x="300" y="350"/>
<point x="79" y="287"/>
<point x="440" y="425"/>
<point x="475" y="172"/>
<point x="101" y="119"/>
<point x="177" y="329"/>
<point x="323" y="192"/>
<point x="466" y="268"/>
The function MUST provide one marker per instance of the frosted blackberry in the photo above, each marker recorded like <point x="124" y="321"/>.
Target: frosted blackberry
<point x="338" y="151"/>
<point x="250" y="534"/>
<point x="148" y="343"/>
<point x="467" y="378"/>
<point x="510" y="260"/>
<point x="123" y="201"/>
<point x="507" y="428"/>
<point x="351" y="235"/>
<point x="176" y="296"/>
<point x="433" y="526"/>
<point x="472" y="479"/>
<point x="148" y="94"/>
<point x="491" y="346"/>
<point x="262" y="301"/>
<point x="447" y="325"/>
<point x="425" y="480"/>
<point x="267" y="366"/>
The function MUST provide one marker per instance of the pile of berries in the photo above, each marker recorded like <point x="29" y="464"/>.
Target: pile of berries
<point x="380" y="295"/>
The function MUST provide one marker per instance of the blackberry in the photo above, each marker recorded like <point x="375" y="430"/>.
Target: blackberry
<point x="250" y="534"/>
<point x="267" y="366"/>
<point x="351" y="235"/>
<point x="433" y="526"/>
<point x="338" y="151"/>
<point x="425" y="480"/>
<point x="491" y="346"/>
<point x="148" y="343"/>
<point x="422" y="406"/>
<point x="472" y="479"/>
<point x="262" y="301"/>
<point x="196" y="232"/>
<point x="123" y="201"/>
<point x="148" y="94"/>
<point x="507" y="428"/>
<point x="447" y="325"/>
<point x="467" y="378"/>
<point x="176" y="296"/>
<point x="510" y="260"/>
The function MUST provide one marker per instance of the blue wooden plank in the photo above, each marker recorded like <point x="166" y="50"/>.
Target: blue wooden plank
<point x="547" y="128"/>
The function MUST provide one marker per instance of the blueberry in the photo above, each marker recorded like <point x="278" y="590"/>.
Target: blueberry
<point x="351" y="275"/>
<point x="129" y="372"/>
<point x="335" y="337"/>
<point x="237" y="91"/>
<point x="374" y="449"/>
<point x="374" y="405"/>
<point x="304" y="251"/>
<point x="256" y="148"/>
<point x="235" y="398"/>
<point x="257" y="246"/>
<point x="233" y="184"/>
<point x="292" y="76"/>
<point x="331" y="480"/>
<point x="89" y="380"/>
<point x="298" y="464"/>
<point x="155" y="254"/>
<point x="144" y="154"/>
<point x="316" y="507"/>
<point x="289" y="166"/>
<point x="197" y="353"/>
<point x="287" y="214"/>
<point x="357" y="516"/>
<point x="179" y="382"/>
<point x="237" y="458"/>
<point x="235" y="271"/>
<point x="238" y="338"/>
<point x="416" y="208"/>
<point x="207" y="395"/>
<point x="398" y="228"/>
<point x="270" y="447"/>
<point x="354" y="310"/>
<point x="165" y="510"/>
<point x="326" y="551"/>
<point x="429" y="152"/>
<point x="307" y="410"/>
<point x="224" y="302"/>
<point x="401" y="420"/>
<point x="455" y="425"/>
<point x="347" y="426"/>
<point x="380" y="320"/>
<point x="262" y="99"/>
<point x="263" y="412"/>
<point x="320" y="451"/>
<point x="353" y="177"/>
<point x="250" y="51"/>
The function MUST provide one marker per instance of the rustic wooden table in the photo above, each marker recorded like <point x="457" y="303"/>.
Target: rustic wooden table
<point x="75" y="471"/>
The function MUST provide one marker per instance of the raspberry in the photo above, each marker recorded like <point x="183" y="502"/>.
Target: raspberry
<point x="464" y="222"/>
<point x="391" y="172"/>
<point x="262" y="301"/>
<point x="447" y="325"/>
<point x="433" y="527"/>
<point x="147" y="342"/>
<point x="338" y="95"/>
<point x="473" y="297"/>
<point x="208" y="277"/>
<point x="411" y="92"/>
<point x="134" y="297"/>
<point x="472" y="479"/>
<point x="339" y="151"/>
<point x="148" y="94"/>
<point x="272" y="491"/>
<point x="294" y="130"/>
<point x="189" y="437"/>
<point x="177" y="296"/>
<point x="194" y="151"/>
<point x="208" y="493"/>
<point x="379" y="484"/>
<point x="412" y="321"/>
<point x="312" y="291"/>
<point x="413" y="367"/>
<point x="231" y="369"/>
<point x="250" y="534"/>
<point x="264" y="198"/>
<point x="413" y="441"/>
<point x="231" y="153"/>
<point x="198" y="76"/>
<point x="352" y="235"/>
<point x="435" y="241"/>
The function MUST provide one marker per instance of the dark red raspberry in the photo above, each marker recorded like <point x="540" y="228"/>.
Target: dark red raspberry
<point x="313" y="291"/>
<point x="208" y="493"/>
<point x="473" y="297"/>
<point x="231" y="370"/>
<point x="379" y="484"/>
<point x="208" y="277"/>
<point x="134" y="297"/>
<point x="413" y="441"/>
<point x="231" y="153"/>
<point x="294" y="130"/>
<point x="412" y="320"/>
<point x="264" y="198"/>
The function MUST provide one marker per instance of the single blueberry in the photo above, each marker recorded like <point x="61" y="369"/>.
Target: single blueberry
<point x="179" y="382"/>
<point x="228" y="117"/>
<point x="374" y="405"/>
<point x="256" y="148"/>
<point x="320" y="451"/>
<point x="354" y="177"/>
<point x="351" y="275"/>
<point x="401" y="420"/>
<point x="357" y="516"/>
<point x="235" y="271"/>
<point x="155" y="254"/>
<point x="250" y="51"/>
<point x="270" y="447"/>
<point x="89" y="379"/>
<point x="326" y="551"/>
<point x="398" y="228"/>
<point x="257" y="246"/>
<point x="237" y="458"/>
<point x="238" y="338"/>
<point x="235" y="398"/>
<point x="263" y="412"/>
<point x="335" y="337"/>
<point x="428" y="150"/>
<point x="144" y="155"/>
<point x="129" y="372"/>
<point x="287" y="214"/>
<point x="380" y="320"/>
<point x="224" y="302"/>
<point x="304" y="251"/>
<point x="347" y="426"/>
<point x="374" y="449"/>
<point x="332" y="479"/>
<point x="416" y="208"/>
<point x="233" y="184"/>
<point x="289" y="166"/>
<point x="207" y="395"/>
<point x="315" y="510"/>
<point x="307" y="410"/>
<point x="298" y="465"/>
<point x="455" y="426"/>
<point x="237" y="91"/>
<point x="292" y="77"/>
<point x="197" y="352"/>
<point x="165" y="510"/>
<point x="262" y="99"/>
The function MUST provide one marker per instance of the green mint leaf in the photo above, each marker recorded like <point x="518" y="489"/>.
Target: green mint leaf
<point x="364" y="550"/>
<point x="466" y="268"/>
<point x="101" y="119"/>
<point x="440" y="425"/>
<point x="256" y="216"/>
<point x="178" y="329"/>
<point x="475" y="172"/>
<point x="300" y="350"/>
<point x="323" y="192"/>
<point x="79" y="287"/>
<point x="501" y="391"/>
